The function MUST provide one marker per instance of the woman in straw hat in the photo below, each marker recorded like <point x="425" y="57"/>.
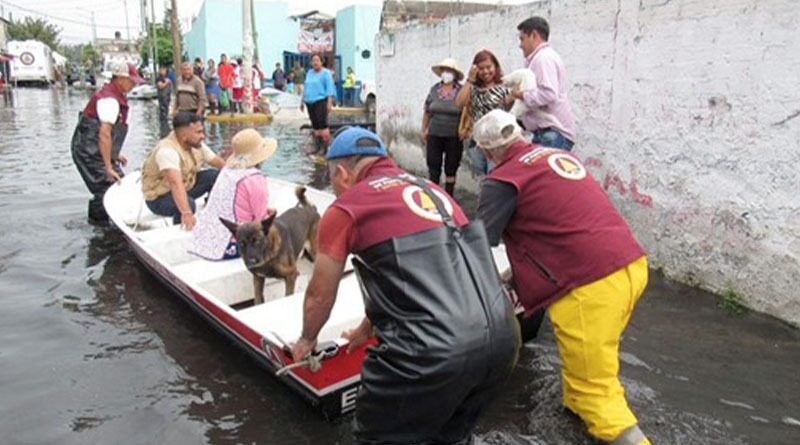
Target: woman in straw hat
<point x="240" y="194"/>
<point x="483" y="92"/>
<point x="440" y="124"/>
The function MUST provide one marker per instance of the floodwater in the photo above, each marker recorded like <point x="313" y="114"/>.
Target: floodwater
<point x="93" y="350"/>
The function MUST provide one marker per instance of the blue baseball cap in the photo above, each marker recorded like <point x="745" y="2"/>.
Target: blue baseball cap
<point x="356" y="141"/>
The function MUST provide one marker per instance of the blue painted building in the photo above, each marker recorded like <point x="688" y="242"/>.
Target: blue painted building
<point x="356" y="27"/>
<point x="217" y="29"/>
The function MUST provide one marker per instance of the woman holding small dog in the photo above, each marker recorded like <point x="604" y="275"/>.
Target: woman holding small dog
<point x="240" y="194"/>
<point x="483" y="92"/>
<point x="440" y="125"/>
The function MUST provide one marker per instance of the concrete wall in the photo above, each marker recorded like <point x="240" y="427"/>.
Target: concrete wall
<point x="217" y="29"/>
<point x="356" y="27"/>
<point x="688" y="113"/>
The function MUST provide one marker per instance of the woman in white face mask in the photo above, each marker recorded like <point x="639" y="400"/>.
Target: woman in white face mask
<point x="440" y="121"/>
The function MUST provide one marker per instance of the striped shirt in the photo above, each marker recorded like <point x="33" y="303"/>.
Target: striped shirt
<point x="484" y="100"/>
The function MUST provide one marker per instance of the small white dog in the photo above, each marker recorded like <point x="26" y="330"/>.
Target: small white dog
<point x="522" y="79"/>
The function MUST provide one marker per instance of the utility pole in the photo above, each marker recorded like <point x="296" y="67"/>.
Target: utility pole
<point x="127" y="24"/>
<point x="94" y="31"/>
<point x="255" y="31"/>
<point x="176" y="36"/>
<point x="153" y="47"/>
<point x="247" y="60"/>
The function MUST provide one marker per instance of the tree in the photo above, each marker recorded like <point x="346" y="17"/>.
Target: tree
<point x="35" y="29"/>
<point x="163" y="40"/>
<point x="82" y="55"/>
<point x="90" y="56"/>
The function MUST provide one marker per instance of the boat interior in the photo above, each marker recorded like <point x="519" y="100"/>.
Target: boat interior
<point x="228" y="283"/>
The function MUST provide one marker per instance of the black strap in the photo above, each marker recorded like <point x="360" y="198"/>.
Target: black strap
<point x="447" y="219"/>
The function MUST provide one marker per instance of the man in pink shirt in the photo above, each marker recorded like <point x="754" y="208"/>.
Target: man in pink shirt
<point x="549" y="115"/>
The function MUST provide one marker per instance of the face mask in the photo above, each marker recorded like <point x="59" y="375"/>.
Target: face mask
<point x="448" y="77"/>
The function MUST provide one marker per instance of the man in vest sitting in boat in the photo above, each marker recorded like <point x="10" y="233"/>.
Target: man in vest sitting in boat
<point x="570" y="252"/>
<point x="99" y="135"/>
<point x="240" y="194"/>
<point x="172" y="178"/>
<point x="443" y="347"/>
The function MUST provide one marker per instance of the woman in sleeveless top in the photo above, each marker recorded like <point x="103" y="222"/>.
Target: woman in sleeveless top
<point x="483" y="92"/>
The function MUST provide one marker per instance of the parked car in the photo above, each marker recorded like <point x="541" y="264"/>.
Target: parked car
<point x="74" y="75"/>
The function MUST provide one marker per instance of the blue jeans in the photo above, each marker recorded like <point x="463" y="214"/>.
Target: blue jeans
<point x="349" y="97"/>
<point x="164" y="205"/>
<point x="552" y="138"/>
<point x="480" y="165"/>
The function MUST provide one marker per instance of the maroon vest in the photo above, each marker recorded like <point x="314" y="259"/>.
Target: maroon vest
<point x="108" y="90"/>
<point x="383" y="207"/>
<point x="565" y="232"/>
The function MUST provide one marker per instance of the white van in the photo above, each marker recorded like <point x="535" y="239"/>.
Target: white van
<point x="32" y="63"/>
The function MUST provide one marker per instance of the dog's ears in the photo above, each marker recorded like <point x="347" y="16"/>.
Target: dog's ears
<point x="229" y="224"/>
<point x="266" y="223"/>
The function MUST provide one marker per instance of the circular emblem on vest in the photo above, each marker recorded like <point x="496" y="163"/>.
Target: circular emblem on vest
<point x="567" y="166"/>
<point x="422" y="205"/>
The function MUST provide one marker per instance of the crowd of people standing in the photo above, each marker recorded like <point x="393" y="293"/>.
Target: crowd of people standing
<point x="451" y="108"/>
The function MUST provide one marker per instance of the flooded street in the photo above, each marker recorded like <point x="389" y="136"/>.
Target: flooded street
<point x="93" y="349"/>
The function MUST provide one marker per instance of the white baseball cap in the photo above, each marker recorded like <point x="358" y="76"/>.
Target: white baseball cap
<point x="496" y="129"/>
<point x="122" y="69"/>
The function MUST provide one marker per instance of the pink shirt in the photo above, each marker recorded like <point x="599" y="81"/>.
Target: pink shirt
<point x="252" y="195"/>
<point x="548" y="105"/>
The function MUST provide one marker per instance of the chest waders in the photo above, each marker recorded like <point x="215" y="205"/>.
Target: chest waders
<point x="86" y="155"/>
<point x="446" y="330"/>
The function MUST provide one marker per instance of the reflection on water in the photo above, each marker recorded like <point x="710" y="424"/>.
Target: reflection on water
<point x="96" y="350"/>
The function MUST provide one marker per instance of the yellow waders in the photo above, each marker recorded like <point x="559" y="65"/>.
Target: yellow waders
<point x="588" y="323"/>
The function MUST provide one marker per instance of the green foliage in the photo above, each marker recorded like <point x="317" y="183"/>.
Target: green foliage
<point x="90" y="56"/>
<point x="163" y="40"/>
<point x="732" y="302"/>
<point x="82" y="54"/>
<point x="35" y="29"/>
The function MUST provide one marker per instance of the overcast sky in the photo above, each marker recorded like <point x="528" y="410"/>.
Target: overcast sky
<point x="74" y="16"/>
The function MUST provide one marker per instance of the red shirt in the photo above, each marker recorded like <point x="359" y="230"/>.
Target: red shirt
<point x="226" y="74"/>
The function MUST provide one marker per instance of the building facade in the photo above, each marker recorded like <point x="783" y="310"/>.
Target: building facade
<point x="217" y="29"/>
<point x="356" y="28"/>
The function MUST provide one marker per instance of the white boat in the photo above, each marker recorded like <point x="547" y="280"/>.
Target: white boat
<point x="143" y="92"/>
<point x="222" y="292"/>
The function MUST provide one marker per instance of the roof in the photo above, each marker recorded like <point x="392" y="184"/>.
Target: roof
<point x="397" y="13"/>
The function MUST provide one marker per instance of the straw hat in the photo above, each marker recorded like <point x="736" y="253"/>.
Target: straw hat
<point x="449" y="63"/>
<point x="250" y="149"/>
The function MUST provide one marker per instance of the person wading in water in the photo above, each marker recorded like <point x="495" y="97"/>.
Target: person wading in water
<point x="447" y="336"/>
<point x="99" y="135"/>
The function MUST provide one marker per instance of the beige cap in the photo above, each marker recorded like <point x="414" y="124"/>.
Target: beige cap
<point x="496" y="129"/>
<point x="449" y="63"/>
<point x="122" y="69"/>
<point x="250" y="149"/>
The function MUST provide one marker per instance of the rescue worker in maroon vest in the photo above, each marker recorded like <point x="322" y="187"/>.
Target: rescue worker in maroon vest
<point x="98" y="137"/>
<point x="572" y="253"/>
<point x="443" y="349"/>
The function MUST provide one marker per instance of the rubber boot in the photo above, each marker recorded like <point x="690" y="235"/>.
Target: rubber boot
<point x="631" y="436"/>
<point x="97" y="213"/>
<point x="450" y="188"/>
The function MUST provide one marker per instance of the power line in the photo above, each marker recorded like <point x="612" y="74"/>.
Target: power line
<point x="65" y="20"/>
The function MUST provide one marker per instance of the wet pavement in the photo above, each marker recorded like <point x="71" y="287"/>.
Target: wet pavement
<point x="94" y="350"/>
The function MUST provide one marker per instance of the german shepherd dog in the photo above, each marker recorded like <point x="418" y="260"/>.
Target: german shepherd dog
<point x="271" y="247"/>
